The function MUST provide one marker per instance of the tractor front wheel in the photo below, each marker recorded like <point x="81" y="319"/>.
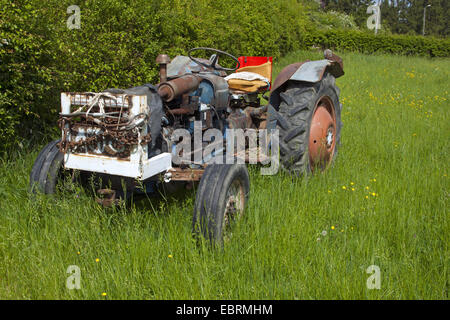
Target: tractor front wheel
<point x="48" y="169"/>
<point x="221" y="199"/>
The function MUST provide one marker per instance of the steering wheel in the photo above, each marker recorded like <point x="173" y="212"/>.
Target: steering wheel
<point x="213" y="63"/>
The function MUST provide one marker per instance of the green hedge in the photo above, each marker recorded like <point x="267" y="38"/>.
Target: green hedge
<point x="363" y="42"/>
<point x="120" y="39"/>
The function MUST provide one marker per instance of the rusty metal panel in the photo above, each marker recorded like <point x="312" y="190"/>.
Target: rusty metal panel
<point x="311" y="71"/>
<point x="285" y="75"/>
<point x="188" y="174"/>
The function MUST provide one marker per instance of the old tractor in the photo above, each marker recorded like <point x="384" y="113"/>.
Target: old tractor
<point x="128" y="140"/>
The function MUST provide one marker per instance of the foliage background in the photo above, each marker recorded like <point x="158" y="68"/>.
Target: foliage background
<point x="398" y="16"/>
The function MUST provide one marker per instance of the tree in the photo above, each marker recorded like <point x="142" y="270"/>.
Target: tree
<point x="356" y="8"/>
<point x="400" y="16"/>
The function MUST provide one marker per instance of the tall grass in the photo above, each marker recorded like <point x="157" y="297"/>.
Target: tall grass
<point x="384" y="203"/>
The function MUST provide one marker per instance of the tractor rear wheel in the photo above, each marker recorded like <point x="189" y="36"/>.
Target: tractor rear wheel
<point x="309" y="123"/>
<point x="221" y="198"/>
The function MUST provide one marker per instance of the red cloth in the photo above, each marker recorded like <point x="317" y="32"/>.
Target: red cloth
<point x="255" y="61"/>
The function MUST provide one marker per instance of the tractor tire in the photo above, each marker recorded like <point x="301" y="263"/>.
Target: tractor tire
<point x="47" y="169"/>
<point x="309" y="124"/>
<point x="221" y="199"/>
<point x="36" y="169"/>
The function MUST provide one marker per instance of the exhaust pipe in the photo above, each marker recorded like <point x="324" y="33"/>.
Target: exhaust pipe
<point x="172" y="89"/>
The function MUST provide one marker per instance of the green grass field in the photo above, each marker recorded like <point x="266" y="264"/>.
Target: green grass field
<point x="384" y="203"/>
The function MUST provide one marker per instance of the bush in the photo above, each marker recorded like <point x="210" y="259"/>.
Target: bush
<point x="26" y="75"/>
<point x="364" y="42"/>
<point x="332" y="20"/>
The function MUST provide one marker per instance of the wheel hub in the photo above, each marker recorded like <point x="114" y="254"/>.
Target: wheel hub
<point x="235" y="201"/>
<point x="322" y="136"/>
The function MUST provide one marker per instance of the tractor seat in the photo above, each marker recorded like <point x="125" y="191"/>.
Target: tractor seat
<point x="251" y="78"/>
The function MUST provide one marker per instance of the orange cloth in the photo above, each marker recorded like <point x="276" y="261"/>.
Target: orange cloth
<point x="246" y="85"/>
<point x="264" y="69"/>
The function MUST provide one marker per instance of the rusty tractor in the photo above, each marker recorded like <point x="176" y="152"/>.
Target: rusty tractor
<point x="127" y="140"/>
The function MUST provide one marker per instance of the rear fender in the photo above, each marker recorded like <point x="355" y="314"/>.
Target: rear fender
<point x="307" y="71"/>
